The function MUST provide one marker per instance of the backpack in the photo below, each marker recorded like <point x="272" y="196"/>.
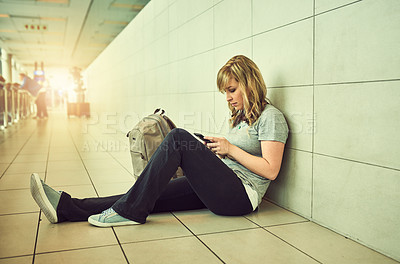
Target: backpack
<point x="145" y="137"/>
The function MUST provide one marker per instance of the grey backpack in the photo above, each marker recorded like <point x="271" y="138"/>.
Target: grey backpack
<point x="145" y="138"/>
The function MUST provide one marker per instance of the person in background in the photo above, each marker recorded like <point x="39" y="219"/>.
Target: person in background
<point x="229" y="175"/>
<point x="38" y="93"/>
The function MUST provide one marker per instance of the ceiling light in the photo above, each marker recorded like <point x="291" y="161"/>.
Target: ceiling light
<point x="129" y="6"/>
<point x="55" y="1"/>
<point x="8" y="31"/>
<point x="115" y="22"/>
<point x="53" y="18"/>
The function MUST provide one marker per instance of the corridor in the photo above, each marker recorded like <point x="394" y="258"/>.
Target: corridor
<point x="86" y="162"/>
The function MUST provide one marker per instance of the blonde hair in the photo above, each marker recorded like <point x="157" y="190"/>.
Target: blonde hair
<point x="251" y="85"/>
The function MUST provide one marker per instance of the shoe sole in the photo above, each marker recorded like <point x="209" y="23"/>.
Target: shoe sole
<point x="101" y="224"/>
<point x="41" y="199"/>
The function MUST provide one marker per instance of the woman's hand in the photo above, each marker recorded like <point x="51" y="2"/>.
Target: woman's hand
<point x="219" y="145"/>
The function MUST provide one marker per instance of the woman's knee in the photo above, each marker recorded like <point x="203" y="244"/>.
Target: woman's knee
<point x="180" y="134"/>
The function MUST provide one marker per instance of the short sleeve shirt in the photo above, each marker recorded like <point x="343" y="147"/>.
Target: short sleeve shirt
<point x="270" y="126"/>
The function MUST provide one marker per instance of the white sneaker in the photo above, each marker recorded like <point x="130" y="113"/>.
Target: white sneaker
<point x="110" y="218"/>
<point x="46" y="197"/>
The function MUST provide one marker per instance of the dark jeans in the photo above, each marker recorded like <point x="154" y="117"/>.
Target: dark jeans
<point x="208" y="183"/>
<point x="41" y="105"/>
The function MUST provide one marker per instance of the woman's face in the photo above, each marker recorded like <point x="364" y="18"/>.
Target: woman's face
<point x="233" y="94"/>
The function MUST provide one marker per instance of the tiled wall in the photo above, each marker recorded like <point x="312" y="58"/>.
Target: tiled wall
<point x="332" y="67"/>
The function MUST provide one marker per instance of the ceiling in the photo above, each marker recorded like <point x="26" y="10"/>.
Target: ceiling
<point x="62" y="33"/>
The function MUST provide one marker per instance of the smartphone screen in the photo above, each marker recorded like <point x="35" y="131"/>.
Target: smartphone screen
<point x="202" y="137"/>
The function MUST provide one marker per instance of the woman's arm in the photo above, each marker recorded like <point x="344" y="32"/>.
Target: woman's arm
<point x="267" y="166"/>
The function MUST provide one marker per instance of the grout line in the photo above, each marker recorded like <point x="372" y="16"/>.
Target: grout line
<point x="230" y="231"/>
<point x="73" y="249"/>
<point x="45" y="177"/>
<point x="357" y="161"/>
<point x="155" y="239"/>
<point x="83" y="163"/>
<point x="313" y="115"/>
<point x="201" y="241"/>
<point x="336" y="8"/>
<point x="16" y="155"/>
<point x="36" y="238"/>
<point x="346" y="159"/>
<point x="11" y="257"/>
<point x="120" y="245"/>
<point x="292" y="245"/>
<point x="23" y="213"/>
<point x="357" y="82"/>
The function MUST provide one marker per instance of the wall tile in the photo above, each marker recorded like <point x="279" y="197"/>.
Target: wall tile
<point x="232" y="21"/>
<point x="195" y="115"/>
<point x="161" y="24"/>
<point x="222" y="115"/>
<point x="325" y="5"/>
<point x="196" y="36"/>
<point x="160" y="7"/>
<point x="296" y="103"/>
<point x="359" y="122"/>
<point x="173" y="45"/>
<point x="292" y="188"/>
<point x="199" y="73"/>
<point x="224" y="53"/>
<point x="285" y="56"/>
<point x="358" y="200"/>
<point x="269" y="14"/>
<point x="161" y="51"/>
<point x="186" y="10"/>
<point x="363" y="46"/>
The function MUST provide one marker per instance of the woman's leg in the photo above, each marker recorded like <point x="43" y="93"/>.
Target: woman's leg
<point x="178" y="196"/>
<point x="217" y="186"/>
<point x="73" y="209"/>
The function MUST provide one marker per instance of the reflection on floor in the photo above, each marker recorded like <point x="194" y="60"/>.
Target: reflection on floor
<point x="90" y="161"/>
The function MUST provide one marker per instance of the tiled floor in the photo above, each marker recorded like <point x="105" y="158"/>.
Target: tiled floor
<point x="94" y="162"/>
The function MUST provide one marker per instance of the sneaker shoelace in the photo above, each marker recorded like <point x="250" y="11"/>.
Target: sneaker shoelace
<point x="107" y="212"/>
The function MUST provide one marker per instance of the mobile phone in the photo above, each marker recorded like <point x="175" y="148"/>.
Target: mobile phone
<point x="202" y="137"/>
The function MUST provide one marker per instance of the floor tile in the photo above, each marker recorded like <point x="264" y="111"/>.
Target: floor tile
<point x="253" y="246"/>
<point x="27" y="167"/>
<point x="67" y="177"/>
<point x="55" y="156"/>
<point x="30" y="158"/>
<point x="15" y="181"/>
<point x="12" y="229"/>
<point x="204" y="221"/>
<point x="327" y="246"/>
<point x="114" y="188"/>
<point x="65" y="165"/>
<point x="270" y="214"/>
<point x="106" y="176"/>
<point x="6" y="158"/>
<point x="158" y="226"/>
<point x="64" y="149"/>
<point x="34" y="150"/>
<point x="66" y="236"/>
<point x="101" y="164"/>
<point x="17" y="260"/>
<point x="178" y="250"/>
<point x="17" y="201"/>
<point x="86" y="155"/>
<point x="107" y="254"/>
<point x="3" y="167"/>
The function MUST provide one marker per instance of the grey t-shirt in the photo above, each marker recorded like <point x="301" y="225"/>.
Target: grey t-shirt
<point x="272" y="126"/>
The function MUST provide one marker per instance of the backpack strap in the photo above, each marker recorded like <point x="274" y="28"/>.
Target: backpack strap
<point x="169" y="122"/>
